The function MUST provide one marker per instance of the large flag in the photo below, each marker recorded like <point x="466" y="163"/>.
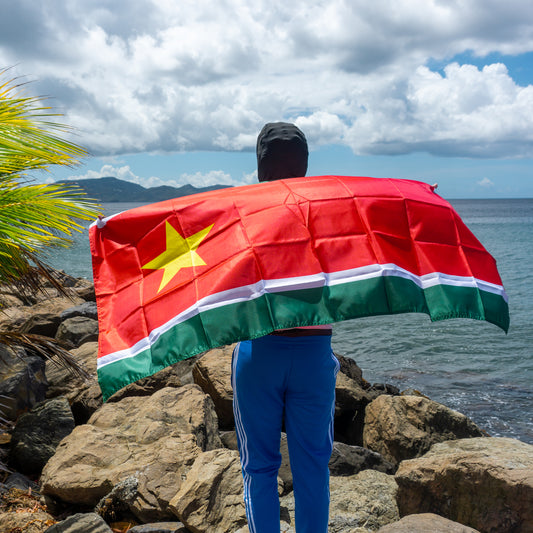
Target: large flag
<point x="180" y="277"/>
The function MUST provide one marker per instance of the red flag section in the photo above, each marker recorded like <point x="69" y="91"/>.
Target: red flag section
<point x="179" y="277"/>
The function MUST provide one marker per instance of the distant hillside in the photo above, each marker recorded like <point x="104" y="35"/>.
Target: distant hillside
<point x="110" y="189"/>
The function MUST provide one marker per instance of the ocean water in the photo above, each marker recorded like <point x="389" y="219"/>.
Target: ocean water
<point x="468" y="365"/>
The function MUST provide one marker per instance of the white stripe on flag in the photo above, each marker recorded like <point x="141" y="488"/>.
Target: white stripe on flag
<point x="248" y="293"/>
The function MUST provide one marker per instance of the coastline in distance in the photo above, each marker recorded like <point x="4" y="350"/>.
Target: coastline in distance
<point x="113" y="190"/>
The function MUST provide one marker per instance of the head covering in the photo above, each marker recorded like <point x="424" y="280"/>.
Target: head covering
<point x="281" y="152"/>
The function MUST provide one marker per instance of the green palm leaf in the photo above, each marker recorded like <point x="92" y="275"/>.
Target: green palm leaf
<point x="29" y="140"/>
<point x="34" y="216"/>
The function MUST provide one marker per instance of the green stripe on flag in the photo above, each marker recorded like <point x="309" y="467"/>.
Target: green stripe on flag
<point x="254" y="318"/>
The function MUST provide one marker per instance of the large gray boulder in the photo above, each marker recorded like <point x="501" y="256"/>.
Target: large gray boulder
<point x="86" y="309"/>
<point x="155" y="439"/>
<point x="484" y="483"/>
<point x="349" y="460"/>
<point x="404" y="427"/>
<point x="77" y="330"/>
<point x="38" y="433"/>
<point x="210" y="500"/>
<point x="23" y="382"/>
<point x="44" y="323"/>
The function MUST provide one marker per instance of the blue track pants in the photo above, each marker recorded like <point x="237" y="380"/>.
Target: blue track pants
<point x="278" y="378"/>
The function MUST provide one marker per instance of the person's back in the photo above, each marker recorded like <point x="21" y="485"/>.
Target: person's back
<point x="287" y="376"/>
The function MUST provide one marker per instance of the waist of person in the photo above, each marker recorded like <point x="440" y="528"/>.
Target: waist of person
<point x="304" y="331"/>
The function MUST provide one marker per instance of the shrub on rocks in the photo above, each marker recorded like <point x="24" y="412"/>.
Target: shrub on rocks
<point x="21" y="511"/>
<point x="27" y="521"/>
<point x="484" y="483"/>
<point x="403" y="427"/>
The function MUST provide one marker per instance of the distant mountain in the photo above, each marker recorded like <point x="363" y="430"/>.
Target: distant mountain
<point x="110" y="189"/>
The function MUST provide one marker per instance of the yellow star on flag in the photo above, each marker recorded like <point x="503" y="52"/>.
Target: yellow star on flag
<point x="179" y="253"/>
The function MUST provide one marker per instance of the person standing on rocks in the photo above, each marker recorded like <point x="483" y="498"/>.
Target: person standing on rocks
<point x="288" y="376"/>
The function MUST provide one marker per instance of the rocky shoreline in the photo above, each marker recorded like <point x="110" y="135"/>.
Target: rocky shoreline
<point x="160" y="455"/>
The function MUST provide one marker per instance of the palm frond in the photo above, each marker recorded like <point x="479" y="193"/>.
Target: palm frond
<point x="29" y="140"/>
<point x="45" y="347"/>
<point x="35" y="216"/>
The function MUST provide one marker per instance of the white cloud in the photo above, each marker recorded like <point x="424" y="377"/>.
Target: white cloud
<point x="159" y="75"/>
<point x="247" y="179"/>
<point x="485" y="182"/>
<point x="322" y="127"/>
<point x="123" y="173"/>
<point x="466" y="111"/>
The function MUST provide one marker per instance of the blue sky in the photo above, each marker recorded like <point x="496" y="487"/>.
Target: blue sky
<point x="176" y="92"/>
